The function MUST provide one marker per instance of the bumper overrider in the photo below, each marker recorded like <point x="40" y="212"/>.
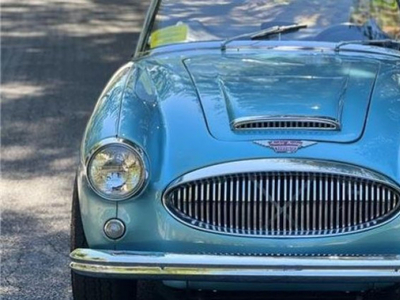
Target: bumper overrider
<point x="199" y="267"/>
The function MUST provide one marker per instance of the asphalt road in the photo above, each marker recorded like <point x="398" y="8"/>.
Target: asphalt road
<point x="56" y="56"/>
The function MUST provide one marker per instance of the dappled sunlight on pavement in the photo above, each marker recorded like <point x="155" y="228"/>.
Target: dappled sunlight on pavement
<point x="56" y="57"/>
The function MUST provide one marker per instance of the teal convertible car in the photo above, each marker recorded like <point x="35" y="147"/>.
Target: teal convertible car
<point x="249" y="144"/>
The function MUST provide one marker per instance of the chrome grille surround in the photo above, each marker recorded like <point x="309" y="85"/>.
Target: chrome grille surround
<point x="283" y="198"/>
<point x="285" y="123"/>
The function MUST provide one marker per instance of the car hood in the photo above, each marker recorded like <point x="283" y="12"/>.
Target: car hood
<point x="179" y="106"/>
<point x="318" y="97"/>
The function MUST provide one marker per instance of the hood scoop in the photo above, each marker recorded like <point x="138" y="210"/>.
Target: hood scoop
<point x="284" y="95"/>
<point x="285" y="123"/>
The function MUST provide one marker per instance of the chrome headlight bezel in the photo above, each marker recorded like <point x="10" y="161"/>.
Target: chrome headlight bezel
<point x="136" y="150"/>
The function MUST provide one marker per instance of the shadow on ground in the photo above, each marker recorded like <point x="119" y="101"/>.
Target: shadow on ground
<point x="41" y="254"/>
<point x="56" y="56"/>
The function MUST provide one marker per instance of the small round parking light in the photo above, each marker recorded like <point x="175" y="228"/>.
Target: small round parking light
<point x="114" y="229"/>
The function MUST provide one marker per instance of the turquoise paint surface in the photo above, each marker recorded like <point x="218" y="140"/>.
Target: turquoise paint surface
<point x="178" y="106"/>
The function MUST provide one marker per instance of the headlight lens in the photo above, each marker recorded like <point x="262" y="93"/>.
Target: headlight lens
<point x="116" y="171"/>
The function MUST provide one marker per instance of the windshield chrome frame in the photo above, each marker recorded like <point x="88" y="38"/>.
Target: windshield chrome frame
<point x="245" y="45"/>
<point x="148" y="22"/>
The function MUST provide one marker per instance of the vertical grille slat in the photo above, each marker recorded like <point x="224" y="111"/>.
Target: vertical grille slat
<point x="248" y="204"/>
<point x="372" y="216"/>
<point x="296" y="210"/>
<point x="383" y="208"/>
<point x="195" y="202"/>
<point x="361" y="196"/>
<point x="326" y="203"/>
<point x="378" y="201"/>
<point x="202" y="202"/>
<point x="314" y="204"/>
<point x="366" y="191"/>
<point x="255" y="205"/>
<point x="225" y="212"/>
<point x="272" y="207"/>
<point x="319" y="201"/>
<point x="266" y="215"/>
<point x="208" y="203"/>
<point x="349" y="202"/>
<point x="290" y="203"/>
<point x="302" y="204"/>
<point x="237" y="204"/>
<point x="308" y="191"/>
<point x="331" y="201"/>
<point x="278" y="202"/>
<point x="189" y="201"/>
<point x="284" y="203"/>
<point x="214" y="203"/>
<point x="242" y="220"/>
<point x="231" y="203"/>
<point x="261" y="204"/>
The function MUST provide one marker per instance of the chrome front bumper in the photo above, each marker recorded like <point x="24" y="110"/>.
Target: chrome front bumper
<point x="167" y="266"/>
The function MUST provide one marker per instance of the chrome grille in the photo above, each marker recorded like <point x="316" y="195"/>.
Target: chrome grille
<point x="290" y="123"/>
<point x="283" y="203"/>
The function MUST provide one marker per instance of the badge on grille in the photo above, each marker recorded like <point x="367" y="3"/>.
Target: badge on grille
<point x="285" y="146"/>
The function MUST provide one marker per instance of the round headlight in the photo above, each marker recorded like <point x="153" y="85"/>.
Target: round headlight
<point x="116" y="171"/>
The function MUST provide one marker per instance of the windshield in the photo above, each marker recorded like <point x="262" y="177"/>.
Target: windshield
<point x="181" y="21"/>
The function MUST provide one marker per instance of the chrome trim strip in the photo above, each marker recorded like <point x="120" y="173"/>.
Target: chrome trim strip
<point x="293" y="122"/>
<point x="145" y="32"/>
<point x="233" y="268"/>
<point x="283" y="165"/>
<point x="318" y="47"/>
<point x="302" y="208"/>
